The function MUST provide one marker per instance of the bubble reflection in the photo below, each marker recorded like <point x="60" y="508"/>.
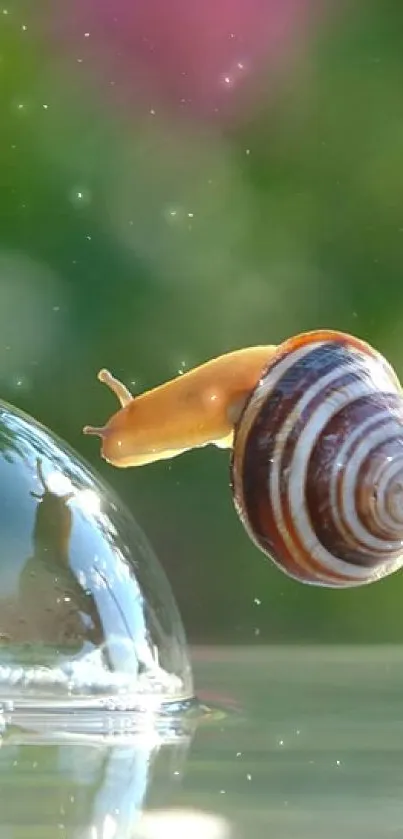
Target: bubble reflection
<point x="85" y="609"/>
<point x="86" y="786"/>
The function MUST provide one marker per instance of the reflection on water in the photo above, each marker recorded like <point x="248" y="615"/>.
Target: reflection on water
<point x="85" y="608"/>
<point x="181" y="823"/>
<point x="79" y="786"/>
<point x="304" y="743"/>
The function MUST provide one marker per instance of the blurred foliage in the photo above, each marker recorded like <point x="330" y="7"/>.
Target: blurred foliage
<point x="142" y="239"/>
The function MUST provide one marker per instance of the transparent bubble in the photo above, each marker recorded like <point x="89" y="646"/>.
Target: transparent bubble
<point x="87" y="617"/>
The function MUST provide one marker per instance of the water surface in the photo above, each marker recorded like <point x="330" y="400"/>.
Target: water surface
<point x="299" y="742"/>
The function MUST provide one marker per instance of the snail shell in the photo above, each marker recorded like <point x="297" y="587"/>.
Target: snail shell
<point x="317" y="463"/>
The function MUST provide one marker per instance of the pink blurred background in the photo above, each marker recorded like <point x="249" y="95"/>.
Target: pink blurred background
<point x="201" y="57"/>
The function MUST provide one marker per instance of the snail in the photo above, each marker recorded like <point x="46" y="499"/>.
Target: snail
<point x="316" y="431"/>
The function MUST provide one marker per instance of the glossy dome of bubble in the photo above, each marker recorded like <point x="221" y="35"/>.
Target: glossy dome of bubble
<point x="87" y="617"/>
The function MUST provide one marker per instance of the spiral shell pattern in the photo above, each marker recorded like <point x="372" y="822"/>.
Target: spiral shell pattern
<point x="317" y="465"/>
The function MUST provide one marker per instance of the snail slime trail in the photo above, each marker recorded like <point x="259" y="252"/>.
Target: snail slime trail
<point x="316" y="431"/>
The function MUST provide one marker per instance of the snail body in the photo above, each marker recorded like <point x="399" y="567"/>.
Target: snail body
<point x="316" y="431"/>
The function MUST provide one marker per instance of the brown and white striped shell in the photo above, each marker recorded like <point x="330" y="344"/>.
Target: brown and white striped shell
<point x="317" y="466"/>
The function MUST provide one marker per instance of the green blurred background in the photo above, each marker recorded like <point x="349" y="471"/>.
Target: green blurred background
<point x="147" y="231"/>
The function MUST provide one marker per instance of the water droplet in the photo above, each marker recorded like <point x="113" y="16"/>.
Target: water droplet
<point x="80" y="196"/>
<point x="20" y="383"/>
